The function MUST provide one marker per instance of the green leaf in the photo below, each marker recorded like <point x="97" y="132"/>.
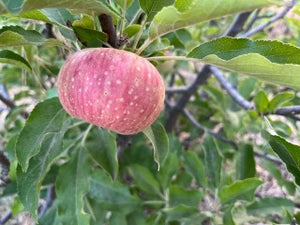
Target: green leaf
<point x="180" y="213"/>
<point x="2" y="8"/>
<point x="50" y="15"/>
<point x="289" y="153"/>
<point x="132" y="30"/>
<point x="195" y="167"/>
<point x="213" y="160"/>
<point x="179" y="195"/>
<point x="168" y="169"/>
<point x="90" y="38"/>
<point x="280" y="99"/>
<point x="102" y="146"/>
<point x="17" y="36"/>
<point x="50" y="216"/>
<point x="111" y="195"/>
<point x="240" y="190"/>
<point x="227" y="218"/>
<point x="88" y="6"/>
<point x="84" y="22"/>
<point x="71" y="186"/>
<point x="17" y="206"/>
<point x="160" y="141"/>
<point x="267" y="206"/>
<point x="158" y="46"/>
<point x="13" y="6"/>
<point x="46" y="117"/>
<point x="14" y="36"/>
<point x="151" y="8"/>
<point x="245" y="167"/>
<point x="144" y="179"/>
<point x="272" y="61"/>
<point x="7" y="56"/>
<point x="29" y="182"/>
<point x="261" y="102"/>
<point x="273" y="169"/>
<point x="190" y="12"/>
<point x="122" y="2"/>
<point x="117" y="219"/>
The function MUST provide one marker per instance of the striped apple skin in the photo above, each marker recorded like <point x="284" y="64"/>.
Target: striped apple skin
<point x="111" y="88"/>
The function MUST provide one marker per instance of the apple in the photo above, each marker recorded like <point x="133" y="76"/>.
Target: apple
<point x="111" y="88"/>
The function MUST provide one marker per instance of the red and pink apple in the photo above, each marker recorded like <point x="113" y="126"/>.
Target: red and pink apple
<point x="111" y="88"/>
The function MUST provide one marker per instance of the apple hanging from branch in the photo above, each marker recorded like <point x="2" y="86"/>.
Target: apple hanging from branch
<point x="111" y="88"/>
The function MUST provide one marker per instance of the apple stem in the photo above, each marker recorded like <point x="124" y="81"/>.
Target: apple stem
<point x="144" y="46"/>
<point x="86" y="134"/>
<point x="182" y="58"/>
<point x="139" y="35"/>
<point x="123" y="18"/>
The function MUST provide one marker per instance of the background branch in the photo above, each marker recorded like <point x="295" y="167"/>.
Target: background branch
<point x="236" y="96"/>
<point x="278" y="16"/>
<point x="204" y="129"/>
<point x="5" y="164"/>
<point x="7" y="216"/>
<point x="203" y="75"/>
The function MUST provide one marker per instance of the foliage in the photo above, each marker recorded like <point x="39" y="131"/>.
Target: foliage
<point x="204" y="161"/>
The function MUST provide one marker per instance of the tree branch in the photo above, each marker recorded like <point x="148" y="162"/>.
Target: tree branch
<point x="237" y="24"/>
<point x="109" y="28"/>
<point x="268" y="157"/>
<point x="174" y="90"/>
<point x="204" y="129"/>
<point x="49" y="201"/>
<point x="5" y="164"/>
<point x="183" y="100"/>
<point x="236" y="96"/>
<point x="278" y="16"/>
<point x="7" y="101"/>
<point x="203" y="75"/>
<point x="7" y="216"/>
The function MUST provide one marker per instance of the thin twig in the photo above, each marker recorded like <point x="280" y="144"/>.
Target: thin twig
<point x="204" y="129"/>
<point x="139" y="35"/>
<point x="7" y="101"/>
<point x="173" y="90"/>
<point x="268" y="157"/>
<point x="236" y="96"/>
<point x="288" y="110"/>
<point x="5" y="165"/>
<point x="7" y="216"/>
<point x="202" y="76"/>
<point x="183" y="100"/>
<point x="10" y="104"/>
<point x="49" y="201"/>
<point x="278" y="16"/>
<point x="237" y="24"/>
<point x="253" y="19"/>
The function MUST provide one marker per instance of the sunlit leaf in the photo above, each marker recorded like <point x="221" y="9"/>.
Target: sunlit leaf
<point x="289" y="153"/>
<point x="160" y="141"/>
<point x="71" y="186"/>
<point x="101" y="145"/>
<point x="267" y="206"/>
<point x="111" y="195"/>
<point x="240" y="190"/>
<point x="7" y="56"/>
<point x="47" y="117"/>
<point x="190" y="12"/>
<point x="272" y="61"/>
<point x="144" y="179"/>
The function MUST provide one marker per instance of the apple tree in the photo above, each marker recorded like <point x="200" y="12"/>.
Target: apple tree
<point x="149" y="112"/>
